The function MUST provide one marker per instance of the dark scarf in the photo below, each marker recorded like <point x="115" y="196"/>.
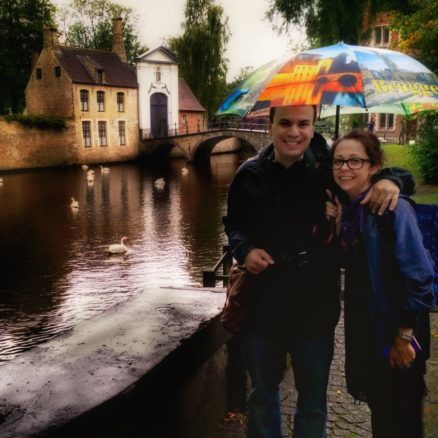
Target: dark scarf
<point x="353" y="219"/>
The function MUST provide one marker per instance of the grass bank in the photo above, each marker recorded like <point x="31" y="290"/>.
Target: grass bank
<point x="397" y="155"/>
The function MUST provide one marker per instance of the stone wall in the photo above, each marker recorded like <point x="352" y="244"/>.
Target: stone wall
<point x="25" y="148"/>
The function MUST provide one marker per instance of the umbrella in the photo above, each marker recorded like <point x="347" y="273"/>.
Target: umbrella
<point x="339" y="75"/>
<point x="403" y="109"/>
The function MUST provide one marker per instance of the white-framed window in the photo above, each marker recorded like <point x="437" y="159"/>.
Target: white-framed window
<point x="84" y="94"/>
<point x="101" y="129"/>
<point x="381" y="36"/>
<point x="100" y="97"/>
<point x="122" y="132"/>
<point x="86" y="133"/>
<point x="120" y="102"/>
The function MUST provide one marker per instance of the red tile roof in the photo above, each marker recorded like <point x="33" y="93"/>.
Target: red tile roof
<point x="81" y="66"/>
<point x="187" y="100"/>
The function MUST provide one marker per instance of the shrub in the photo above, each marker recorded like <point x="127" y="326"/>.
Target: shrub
<point x="39" y="121"/>
<point x="426" y="151"/>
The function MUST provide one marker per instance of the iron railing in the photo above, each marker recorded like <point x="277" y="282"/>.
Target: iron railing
<point x="211" y="276"/>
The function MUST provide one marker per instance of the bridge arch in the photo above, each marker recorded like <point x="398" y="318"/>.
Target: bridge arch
<point x="203" y="150"/>
<point x="200" y="145"/>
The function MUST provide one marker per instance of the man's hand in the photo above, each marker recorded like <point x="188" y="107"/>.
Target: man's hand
<point x="383" y="194"/>
<point x="333" y="211"/>
<point x="257" y="260"/>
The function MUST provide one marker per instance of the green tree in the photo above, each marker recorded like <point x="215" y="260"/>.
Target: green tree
<point x="88" y="24"/>
<point x="21" y="24"/>
<point x="426" y="151"/>
<point x="418" y="32"/>
<point x="200" y="50"/>
<point x="328" y="21"/>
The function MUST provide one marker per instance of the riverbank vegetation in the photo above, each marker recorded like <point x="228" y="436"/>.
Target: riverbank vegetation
<point x="39" y="121"/>
<point x="404" y="156"/>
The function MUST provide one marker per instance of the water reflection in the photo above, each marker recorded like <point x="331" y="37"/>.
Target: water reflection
<point x="56" y="270"/>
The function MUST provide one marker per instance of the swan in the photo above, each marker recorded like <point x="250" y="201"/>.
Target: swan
<point x="118" y="248"/>
<point x="159" y="183"/>
<point x="1" y="181"/>
<point x="84" y="167"/>
<point x="90" y="172"/>
<point x="104" y="169"/>
<point x="184" y="171"/>
<point x="74" y="204"/>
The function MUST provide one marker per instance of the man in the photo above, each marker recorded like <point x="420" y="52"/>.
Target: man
<point x="275" y="211"/>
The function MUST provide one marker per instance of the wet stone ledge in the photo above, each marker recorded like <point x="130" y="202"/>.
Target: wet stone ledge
<point x="153" y="365"/>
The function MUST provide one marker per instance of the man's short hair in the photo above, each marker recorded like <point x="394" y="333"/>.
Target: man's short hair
<point x="272" y="113"/>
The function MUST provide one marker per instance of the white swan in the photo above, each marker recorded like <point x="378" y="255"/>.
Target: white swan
<point x="104" y="169"/>
<point x="1" y="181"/>
<point x="74" y="205"/>
<point x="84" y="167"/>
<point x="90" y="172"/>
<point x="184" y="171"/>
<point x="159" y="183"/>
<point x="118" y="248"/>
<point x="90" y="179"/>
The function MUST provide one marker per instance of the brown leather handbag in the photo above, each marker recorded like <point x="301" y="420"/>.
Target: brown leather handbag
<point x="235" y="308"/>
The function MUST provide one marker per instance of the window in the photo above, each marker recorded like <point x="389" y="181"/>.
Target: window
<point x="100" y="101"/>
<point x="39" y="73"/>
<point x="58" y="71"/>
<point x="86" y="134"/>
<point x="381" y="35"/>
<point x="99" y="74"/>
<point x="122" y="132"/>
<point x="120" y="102"/>
<point x="158" y="74"/>
<point x="102" y="133"/>
<point x="386" y="121"/>
<point x="84" y="100"/>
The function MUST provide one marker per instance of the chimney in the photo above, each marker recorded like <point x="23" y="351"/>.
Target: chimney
<point x="50" y="37"/>
<point x="118" y="43"/>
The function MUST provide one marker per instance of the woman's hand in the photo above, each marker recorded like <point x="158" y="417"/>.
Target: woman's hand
<point x="333" y="210"/>
<point x="401" y="354"/>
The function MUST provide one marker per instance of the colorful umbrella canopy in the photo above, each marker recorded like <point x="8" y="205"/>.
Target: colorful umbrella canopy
<point x="404" y="109"/>
<point x="339" y="75"/>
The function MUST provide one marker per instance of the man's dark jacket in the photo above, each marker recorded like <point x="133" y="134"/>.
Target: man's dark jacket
<point x="283" y="212"/>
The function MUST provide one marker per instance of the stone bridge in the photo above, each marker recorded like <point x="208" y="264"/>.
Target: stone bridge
<point x="200" y="145"/>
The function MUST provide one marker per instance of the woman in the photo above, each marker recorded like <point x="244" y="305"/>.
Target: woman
<point x="388" y="294"/>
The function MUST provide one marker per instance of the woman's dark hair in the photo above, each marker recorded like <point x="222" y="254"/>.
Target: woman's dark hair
<point x="370" y="142"/>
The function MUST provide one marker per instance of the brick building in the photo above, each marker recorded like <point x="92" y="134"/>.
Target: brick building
<point x="191" y="112"/>
<point x="96" y="90"/>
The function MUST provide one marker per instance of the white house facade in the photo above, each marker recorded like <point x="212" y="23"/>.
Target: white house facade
<point x="157" y="76"/>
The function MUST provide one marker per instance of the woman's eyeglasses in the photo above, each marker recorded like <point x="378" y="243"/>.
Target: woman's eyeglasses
<point x="352" y="163"/>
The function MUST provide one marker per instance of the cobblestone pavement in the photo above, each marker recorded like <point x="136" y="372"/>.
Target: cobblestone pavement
<point x="346" y="418"/>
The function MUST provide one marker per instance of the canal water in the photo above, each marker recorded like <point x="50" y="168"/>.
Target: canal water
<point x="55" y="270"/>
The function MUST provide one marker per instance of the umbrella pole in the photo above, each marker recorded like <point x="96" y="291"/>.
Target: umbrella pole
<point x="338" y="109"/>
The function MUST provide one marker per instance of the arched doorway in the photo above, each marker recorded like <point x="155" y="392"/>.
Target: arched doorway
<point x="159" y="115"/>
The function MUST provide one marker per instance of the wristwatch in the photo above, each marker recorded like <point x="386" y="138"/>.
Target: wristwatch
<point x="405" y="336"/>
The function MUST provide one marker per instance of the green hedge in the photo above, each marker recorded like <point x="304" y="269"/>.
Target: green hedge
<point x="40" y="121"/>
<point x="426" y="151"/>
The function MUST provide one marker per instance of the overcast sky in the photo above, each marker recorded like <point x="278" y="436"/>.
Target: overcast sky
<point x="252" y="43"/>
